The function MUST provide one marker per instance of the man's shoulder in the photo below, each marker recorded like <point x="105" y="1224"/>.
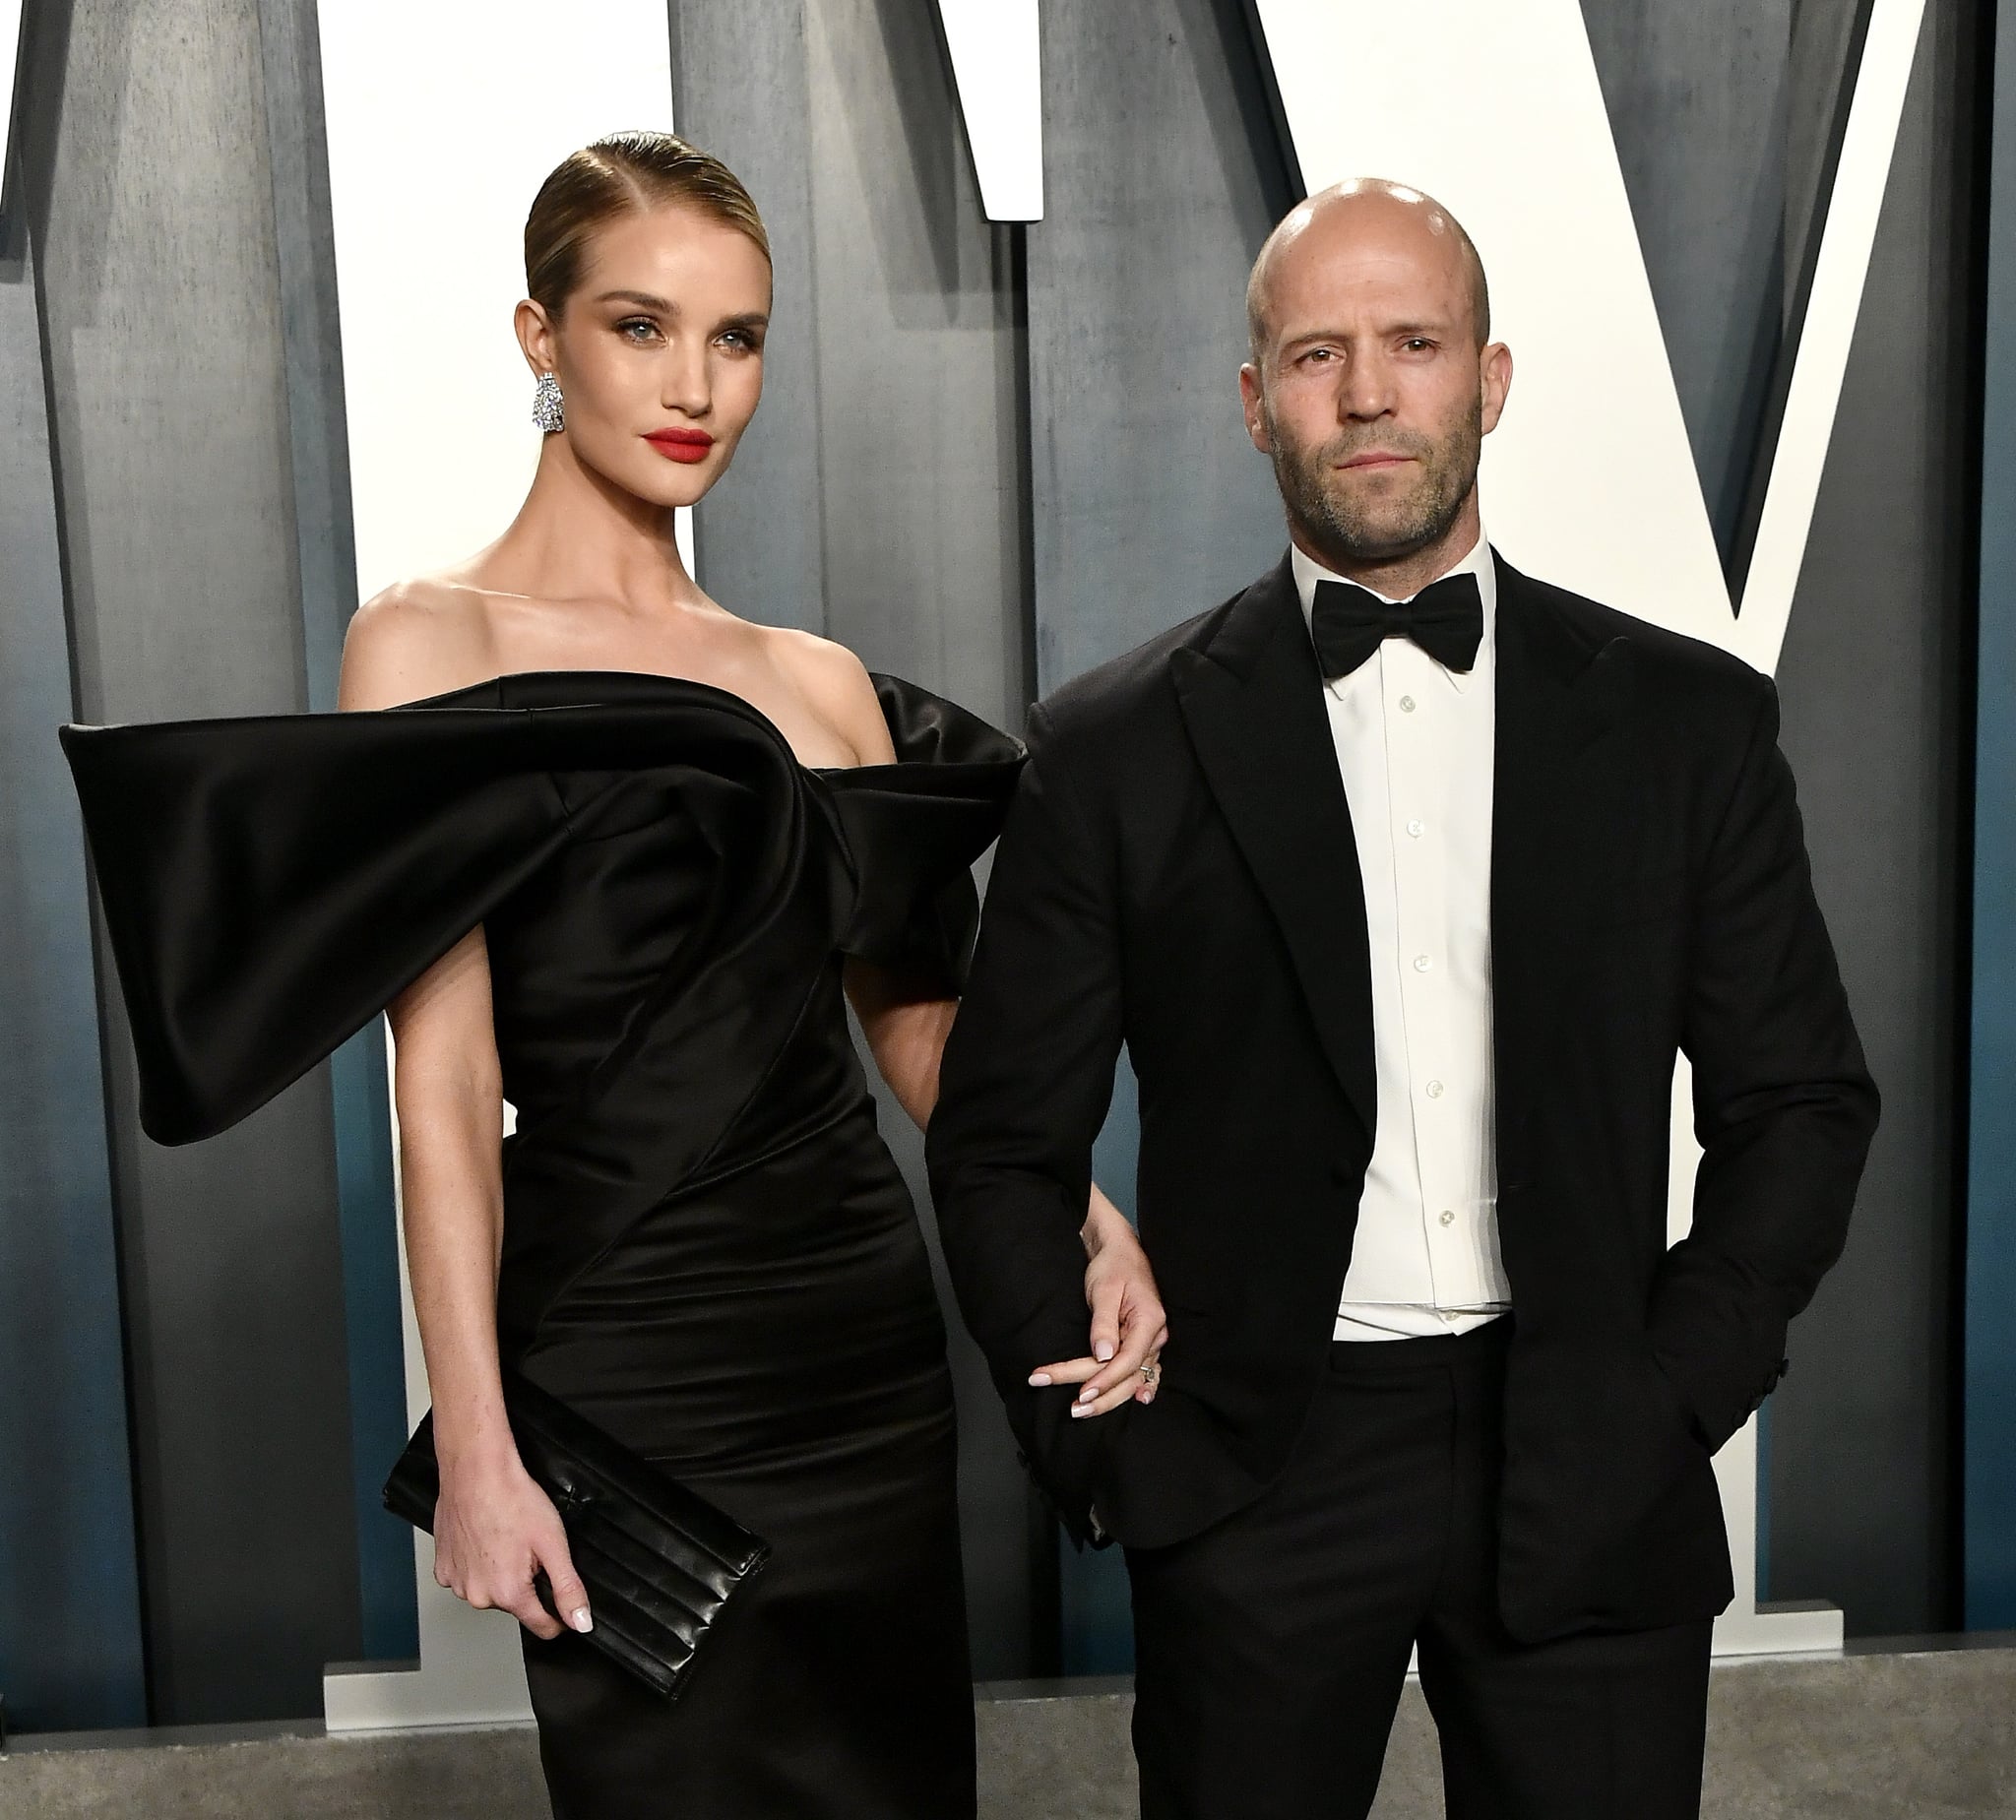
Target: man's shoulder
<point x="1688" y="670"/>
<point x="1117" y="694"/>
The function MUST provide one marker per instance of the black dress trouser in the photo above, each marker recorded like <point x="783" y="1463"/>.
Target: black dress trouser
<point x="1271" y="1650"/>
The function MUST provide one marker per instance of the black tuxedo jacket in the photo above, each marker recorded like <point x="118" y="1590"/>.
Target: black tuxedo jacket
<point x="1179" y="873"/>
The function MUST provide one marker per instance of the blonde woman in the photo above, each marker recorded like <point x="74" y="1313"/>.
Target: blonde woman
<point x="625" y="870"/>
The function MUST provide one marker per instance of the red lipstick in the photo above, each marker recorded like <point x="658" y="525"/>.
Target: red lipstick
<point x="681" y="445"/>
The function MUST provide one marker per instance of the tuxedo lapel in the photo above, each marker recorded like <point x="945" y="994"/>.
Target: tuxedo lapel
<point x="1252" y="700"/>
<point x="1562" y="701"/>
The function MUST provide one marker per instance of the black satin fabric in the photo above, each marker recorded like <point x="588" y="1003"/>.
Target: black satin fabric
<point x="708" y="1248"/>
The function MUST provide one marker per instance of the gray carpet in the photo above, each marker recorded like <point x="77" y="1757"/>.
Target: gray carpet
<point x="1910" y="1736"/>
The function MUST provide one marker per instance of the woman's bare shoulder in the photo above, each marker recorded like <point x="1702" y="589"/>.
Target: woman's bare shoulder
<point x="836" y="685"/>
<point x="417" y="638"/>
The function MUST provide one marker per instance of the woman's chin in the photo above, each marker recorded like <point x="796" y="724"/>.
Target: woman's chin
<point x="675" y="491"/>
<point x="660" y="481"/>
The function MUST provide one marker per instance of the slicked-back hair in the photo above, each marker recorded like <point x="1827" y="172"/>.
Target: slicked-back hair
<point x="623" y="173"/>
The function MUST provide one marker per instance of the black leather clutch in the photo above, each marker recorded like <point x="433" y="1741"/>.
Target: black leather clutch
<point x="659" y="1561"/>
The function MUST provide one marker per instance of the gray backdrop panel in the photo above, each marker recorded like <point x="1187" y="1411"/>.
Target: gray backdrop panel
<point x="1163" y="174"/>
<point x="878" y="497"/>
<point x="742" y="86"/>
<point x="1876" y="725"/>
<point x="168" y="381"/>
<point x="70" y="1653"/>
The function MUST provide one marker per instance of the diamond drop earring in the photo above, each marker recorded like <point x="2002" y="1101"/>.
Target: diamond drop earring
<point x="549" y="408"/>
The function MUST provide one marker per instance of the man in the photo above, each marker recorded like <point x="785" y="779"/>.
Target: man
<point x="1404" y="878"/>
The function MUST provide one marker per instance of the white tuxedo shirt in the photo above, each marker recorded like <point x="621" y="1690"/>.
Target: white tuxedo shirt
<point x="1414" y="747"/>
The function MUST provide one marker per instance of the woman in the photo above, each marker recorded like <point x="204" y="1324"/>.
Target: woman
<point x="620" y="872"/>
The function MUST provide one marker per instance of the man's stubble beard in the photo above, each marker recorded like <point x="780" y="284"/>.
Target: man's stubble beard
<point x="1343" y="535"/>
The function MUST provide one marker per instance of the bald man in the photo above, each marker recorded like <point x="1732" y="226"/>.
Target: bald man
<point x="1405" y="878"/>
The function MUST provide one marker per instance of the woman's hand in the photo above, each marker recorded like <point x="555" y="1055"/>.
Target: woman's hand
<point x="1128" y="1327"/>
<point x="494" y="1529"/>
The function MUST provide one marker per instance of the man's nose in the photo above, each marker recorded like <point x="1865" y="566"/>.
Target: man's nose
<point x="1366" y="389"/>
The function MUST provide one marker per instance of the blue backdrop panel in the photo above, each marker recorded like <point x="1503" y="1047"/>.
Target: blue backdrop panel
<point x="1990" y="1567"/>
<point x="390" y="1614"/>
<point x="70" y="1642"/>
<point x="1149" y="505"/>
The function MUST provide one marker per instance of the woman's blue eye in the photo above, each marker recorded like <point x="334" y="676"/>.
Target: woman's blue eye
<point x="634" y="323"/>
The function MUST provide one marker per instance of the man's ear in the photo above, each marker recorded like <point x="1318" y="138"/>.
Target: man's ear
<point x="1494" y="378"/>
<point x="1256" y="416"/>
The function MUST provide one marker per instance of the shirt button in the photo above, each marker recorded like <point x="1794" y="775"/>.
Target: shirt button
<point x="1447" y="1216"/>
<point x="1434" y="1089"/>
<point x="1414" y="829"/>
<point x="1421" y="964"/>
<point x="1407" y="704"/>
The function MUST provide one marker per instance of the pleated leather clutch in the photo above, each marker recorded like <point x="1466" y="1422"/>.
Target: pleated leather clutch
<point x="659" y="1561"/>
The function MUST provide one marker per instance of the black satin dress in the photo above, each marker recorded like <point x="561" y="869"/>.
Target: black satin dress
<point x="708" y="1248"/>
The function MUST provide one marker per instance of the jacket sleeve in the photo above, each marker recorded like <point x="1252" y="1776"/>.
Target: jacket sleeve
<point x="1025" y="1079"/>
<point x="1783" y="1106"/>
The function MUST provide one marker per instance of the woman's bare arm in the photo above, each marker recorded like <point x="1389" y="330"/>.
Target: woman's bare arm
<point x="906" y="1035"/>
<point x="494" y="1529"/>
<point x="907" y="1038"/>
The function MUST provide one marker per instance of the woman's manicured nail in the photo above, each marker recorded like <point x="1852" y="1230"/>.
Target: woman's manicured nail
<point x="1080" y="1408"/>
<point x="1038" y="1378"/>
<point x="582" y="1621"/>
<point x="1103" y="1351"/>
<point x="1088" y="1395"/>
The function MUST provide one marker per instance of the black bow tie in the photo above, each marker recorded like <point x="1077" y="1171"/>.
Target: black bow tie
<point x="1446" y="619"/>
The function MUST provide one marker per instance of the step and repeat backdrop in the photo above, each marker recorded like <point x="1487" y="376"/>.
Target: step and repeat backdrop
<point x="257" y="269"/>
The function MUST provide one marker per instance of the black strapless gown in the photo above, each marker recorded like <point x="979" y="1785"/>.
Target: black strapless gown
<point x="708" y="1248"/>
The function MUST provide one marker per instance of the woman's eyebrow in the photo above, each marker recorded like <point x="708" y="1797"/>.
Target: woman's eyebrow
<point x="642" y="297"/>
